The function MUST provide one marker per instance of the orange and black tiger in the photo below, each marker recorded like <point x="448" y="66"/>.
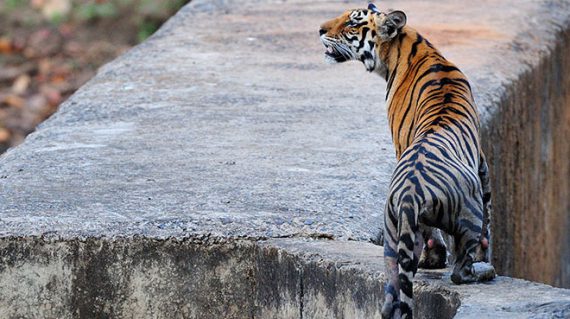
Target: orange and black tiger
<point x="441" y="179"/>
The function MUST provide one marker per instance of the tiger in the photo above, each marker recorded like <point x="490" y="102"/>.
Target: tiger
<point x="441" y="179"/>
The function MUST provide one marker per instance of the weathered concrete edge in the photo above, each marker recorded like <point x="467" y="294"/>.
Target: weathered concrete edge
<point x="206" y="277"/>
<point x="524" y="137"/>
<point x="194" y="277"/>
<point x="503" y="298"/>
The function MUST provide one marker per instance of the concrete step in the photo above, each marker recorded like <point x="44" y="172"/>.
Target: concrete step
<point x="212" y="277"/>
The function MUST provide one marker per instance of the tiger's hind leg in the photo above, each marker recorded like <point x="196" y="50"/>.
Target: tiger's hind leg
<point x="409" y="246"/>
<point x="408" y="266"/>
<point x="467" y="239"/>
<point x="483" y="251"/>
<point x="391" y="308"/>
<point x="403" y="244"/>
<point x="434" y="253"/>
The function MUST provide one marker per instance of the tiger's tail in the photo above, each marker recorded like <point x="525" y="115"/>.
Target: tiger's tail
<point x="402" y="248"/>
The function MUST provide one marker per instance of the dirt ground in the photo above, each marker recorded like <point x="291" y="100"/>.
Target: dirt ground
<point x="49" y="48"/>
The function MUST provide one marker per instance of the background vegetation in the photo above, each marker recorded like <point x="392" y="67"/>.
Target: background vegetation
<point x="49" y="48"/>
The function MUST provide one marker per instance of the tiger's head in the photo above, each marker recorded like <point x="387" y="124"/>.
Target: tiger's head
<point x="361" y="34"/>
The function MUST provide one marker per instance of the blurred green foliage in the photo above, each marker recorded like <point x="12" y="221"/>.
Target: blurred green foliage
<point x="94" y="10"/>
<point x="147" y="15"/>
<point x="13" y="4"/>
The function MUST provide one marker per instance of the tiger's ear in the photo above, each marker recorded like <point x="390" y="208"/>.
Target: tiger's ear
<point x="392" y="25"/>
<point x="372" y="7"/>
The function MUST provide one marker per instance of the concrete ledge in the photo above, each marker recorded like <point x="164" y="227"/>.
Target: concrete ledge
<point x="337" y="264"/>
<point x="204" y="161"/>
<point x="207" y="277"/>
<point x="526" y="142"/>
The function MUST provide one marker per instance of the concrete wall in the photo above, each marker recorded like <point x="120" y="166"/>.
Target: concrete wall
<point x="528" y="145"/>
<point x="133" y="278"/>
<point x="209" y="277"/>
<point x="188" y="278"/>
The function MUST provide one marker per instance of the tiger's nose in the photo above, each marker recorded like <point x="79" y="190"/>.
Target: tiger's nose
<point x="322" y="31"/>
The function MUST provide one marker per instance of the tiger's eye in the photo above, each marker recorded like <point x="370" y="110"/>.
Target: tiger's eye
<point x="349" y="24"/>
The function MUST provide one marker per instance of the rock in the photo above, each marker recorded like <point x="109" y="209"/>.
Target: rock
<point x="54" y="9"/>
<point x="21" y="84"/>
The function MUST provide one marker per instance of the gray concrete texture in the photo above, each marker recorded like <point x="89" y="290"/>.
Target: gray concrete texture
<point x="226" y="125"/>
<point x="526" y="142"/>
<point x="207" y="277"/>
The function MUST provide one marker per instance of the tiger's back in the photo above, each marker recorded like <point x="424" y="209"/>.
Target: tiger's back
<point x="427" y="93"/>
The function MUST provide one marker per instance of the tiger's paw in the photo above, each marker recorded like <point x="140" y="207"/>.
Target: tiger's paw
<point x="391" y="310"/>
<point x="482" y="251"/>
<point x="483" y="271"/>
<point x="434" y="256"/>
<point x="478" y="272"/>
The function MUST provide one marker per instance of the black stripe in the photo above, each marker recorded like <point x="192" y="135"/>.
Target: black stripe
<point x="414" y="50"/>
<point x="405" y="310"/>
<point x="363" y="37"/>
<point x="465" y="223"/>
<point x="403" y="120"/>
<point x="438" y="68"/>
<point x="406" y="240"/>
<point x="405" y="286"/>
<point x="392" y="74"/>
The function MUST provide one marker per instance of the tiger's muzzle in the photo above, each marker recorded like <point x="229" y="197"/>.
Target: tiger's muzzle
<point x="335" y="52"/>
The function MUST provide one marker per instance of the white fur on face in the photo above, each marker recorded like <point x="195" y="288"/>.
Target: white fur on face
<point x="370" y="64"/>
